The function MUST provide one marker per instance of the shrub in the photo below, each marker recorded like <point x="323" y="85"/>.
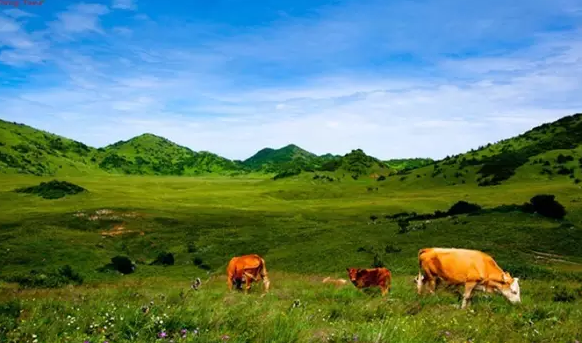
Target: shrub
<point x="52" y="190"/>
<point x="403" y="226"/>
<point x="122" y="264"/>
<point x="463" y="207"/>
<point x="564" y="171"/>
<point x="63" y="276"/>
<point x="164" y="258"/>
<point x="287" y="173"/>
<point x="561" y="294"/>
<point x="9" y="314"/>
<point x="381" y="178"/>
<point x="564" y="159"/>
<point x="547" y="206"/>
<point x="200" y="264"/>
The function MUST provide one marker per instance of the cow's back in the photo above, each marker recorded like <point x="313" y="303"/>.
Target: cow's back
<point x="456" y="265"/>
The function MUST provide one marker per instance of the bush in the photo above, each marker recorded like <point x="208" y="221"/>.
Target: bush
<point x="63" y="276"/>
<point x="164" y="258"/>
<point x="287" y="173"/>
<point x="561" y="294"/>
<point x="381" y="178"/>
<point x="122" y="264"/>
<point x="463" y="207"/>
<point x="200" y="264"/>
<point x="403" y="226"/>
<point x="564" y="159"/>
<point x="9" y="314"/>
<point x="52" y="190"/>
<point x="547" y="206"/>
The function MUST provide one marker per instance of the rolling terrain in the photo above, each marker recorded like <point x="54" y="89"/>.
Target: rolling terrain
<point x="57" y="283"/>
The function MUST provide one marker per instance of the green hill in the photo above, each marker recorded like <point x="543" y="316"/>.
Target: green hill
<point x="270" y="160"/>
<point x="26" y="150"/>
<point x="356" y="163"/>
<point x="552" y="150"/>
<point x="152" y="155"/>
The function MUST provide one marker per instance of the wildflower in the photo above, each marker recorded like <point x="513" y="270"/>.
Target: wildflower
<point x="162" y="334"/>
<point x="225" y="337"/>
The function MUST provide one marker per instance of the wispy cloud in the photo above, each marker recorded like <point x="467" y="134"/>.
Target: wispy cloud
<point x="78" y="19"/>
<point x="124" y="4"/>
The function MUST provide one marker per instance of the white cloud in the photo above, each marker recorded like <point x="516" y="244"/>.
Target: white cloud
<point x="78" y="19"/>
<point x="18" y="13"/>
<point x="124" y="4"/>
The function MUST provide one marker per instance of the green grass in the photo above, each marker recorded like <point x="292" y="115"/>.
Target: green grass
<point x="306" y="230"/>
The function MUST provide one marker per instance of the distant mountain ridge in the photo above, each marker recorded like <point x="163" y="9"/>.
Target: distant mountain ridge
<point x="548" y="151"/>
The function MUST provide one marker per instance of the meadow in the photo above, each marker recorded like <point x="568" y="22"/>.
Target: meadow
<point x="306" y="230"/>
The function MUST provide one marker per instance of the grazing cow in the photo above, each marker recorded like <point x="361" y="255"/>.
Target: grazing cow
<point x="471" y="268"/>
<point x="374" y="277"/>
<point x="336" y="282"/>
<point x="247" y="268"/>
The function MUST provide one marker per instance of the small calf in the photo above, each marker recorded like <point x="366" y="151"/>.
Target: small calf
<point x="373" y="277"/>
<point x="336" y="282"/>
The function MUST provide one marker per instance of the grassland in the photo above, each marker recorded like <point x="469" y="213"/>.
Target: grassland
<point x="306" y="230"/>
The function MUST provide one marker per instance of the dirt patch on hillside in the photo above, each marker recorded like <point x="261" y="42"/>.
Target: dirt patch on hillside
<point x="106" y="214"/>
<point x="119" y="230"/>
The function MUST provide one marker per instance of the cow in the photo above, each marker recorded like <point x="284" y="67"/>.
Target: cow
<point x="373" y="277"/>
<point x="247" y="268"/>
<point x="336" y="282"/>
<point x="472" y="268"/>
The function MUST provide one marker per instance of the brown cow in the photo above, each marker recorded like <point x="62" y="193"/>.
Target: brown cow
<point x="472" y="268"/>
<point x="374" y="277"/>
<point x="247" y="268"/>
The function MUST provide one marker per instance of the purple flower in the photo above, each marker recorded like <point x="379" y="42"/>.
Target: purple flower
<point x="225" y="337"/>
<point x="184" y="331"/>
<point x="162" y="334"/>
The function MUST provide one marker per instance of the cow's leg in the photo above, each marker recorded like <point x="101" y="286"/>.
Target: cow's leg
<point x="266" y="281"/>
<point x="419" y="283"/>
<point x="469" y="286"/>
<point x="248" y="285"/>
<point x="229" y="282"/>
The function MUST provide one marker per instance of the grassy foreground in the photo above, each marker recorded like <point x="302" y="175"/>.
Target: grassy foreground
<point x="306" y="231"/>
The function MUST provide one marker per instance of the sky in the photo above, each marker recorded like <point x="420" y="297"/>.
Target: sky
<point x="399" y="78"/>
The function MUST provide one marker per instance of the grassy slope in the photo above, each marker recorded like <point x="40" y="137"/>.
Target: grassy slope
<point x="29" y="151"/>
<point x="305" y="230"/>
<point x="532" y="156"/>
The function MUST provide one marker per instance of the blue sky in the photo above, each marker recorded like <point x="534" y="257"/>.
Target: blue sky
<point x="400" y="78"/>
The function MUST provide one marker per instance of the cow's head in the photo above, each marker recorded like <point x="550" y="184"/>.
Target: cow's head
<point x="353" y="274"/>
<point x="510" y="288"/>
